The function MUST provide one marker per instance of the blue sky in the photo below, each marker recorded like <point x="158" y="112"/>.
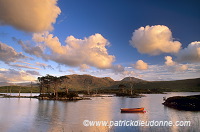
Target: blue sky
<point x="151" y="40"/>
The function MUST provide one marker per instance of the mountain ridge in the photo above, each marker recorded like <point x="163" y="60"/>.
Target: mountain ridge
<point x="84" y="82"/>
<point x="134" y="79"/>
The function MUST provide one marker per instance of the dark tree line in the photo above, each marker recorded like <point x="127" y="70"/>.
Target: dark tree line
<point x="47" y="82"/>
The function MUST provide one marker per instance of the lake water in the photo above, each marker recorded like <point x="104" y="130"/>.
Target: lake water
<point x="33" y="115"/>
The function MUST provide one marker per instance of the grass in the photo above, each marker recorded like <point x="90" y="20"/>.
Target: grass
<point x="16" y="89"/>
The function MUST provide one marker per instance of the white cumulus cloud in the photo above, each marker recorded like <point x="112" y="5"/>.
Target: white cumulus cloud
<point x="190" y="54"/>
<point x="174" y="66"/>
<point x="90" y="51"/>
<point x="169" y="61"/>
<point x="141" y="65"/>
<point x="154" y="40"/>
<point x="29" y="15"/>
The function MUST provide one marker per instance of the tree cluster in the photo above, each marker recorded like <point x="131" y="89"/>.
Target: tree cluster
<point x="47" y="82"/>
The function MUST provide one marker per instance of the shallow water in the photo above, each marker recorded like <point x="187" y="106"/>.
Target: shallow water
<point x="32" y="115"/>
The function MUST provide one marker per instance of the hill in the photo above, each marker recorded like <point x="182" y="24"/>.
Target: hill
<point x="133" y="79"/>
<point x="4" y="84"/>
<point x="187" y="85"/>
<point x="108" y="85"/>
<point x="82" y="82"/>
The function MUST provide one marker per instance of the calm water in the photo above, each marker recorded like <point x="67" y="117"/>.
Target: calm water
<point x="32" y="115"/>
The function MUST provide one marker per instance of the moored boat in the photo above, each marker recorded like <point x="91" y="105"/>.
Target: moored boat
<point x="129" y="110"/>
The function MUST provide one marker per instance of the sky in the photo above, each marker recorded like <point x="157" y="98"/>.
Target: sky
<point x="150" y="39"/>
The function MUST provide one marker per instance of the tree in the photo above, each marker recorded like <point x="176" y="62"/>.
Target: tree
<point x="45" y="82"/>
<point x="65" y="80"/>
<point x="131" y="84"/>
<point x="122" y="87"/>
<point x="48" y="81"/>
<point x="88" y="82"/>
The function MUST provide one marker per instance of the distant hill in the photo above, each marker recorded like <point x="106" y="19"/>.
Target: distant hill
<point x="191" y="85"/>
<point x="142" y="86"/>
<point x="4" y="84"/>
<point x="187" y="85"/>
<point x="79" y="82"/>
<point x="17" y="84"/>
<point x="132" y="79"/>
<point x="82" y="82"/>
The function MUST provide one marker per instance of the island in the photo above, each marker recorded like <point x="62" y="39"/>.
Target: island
<point x="187" y="103"/>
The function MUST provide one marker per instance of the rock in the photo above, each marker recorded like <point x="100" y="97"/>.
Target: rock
<point x="188" y="103"/>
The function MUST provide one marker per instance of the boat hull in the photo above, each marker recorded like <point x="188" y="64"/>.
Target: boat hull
<point x="132" y="110"/>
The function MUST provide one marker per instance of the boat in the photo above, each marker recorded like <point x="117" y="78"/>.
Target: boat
<point x="131" y="110"/>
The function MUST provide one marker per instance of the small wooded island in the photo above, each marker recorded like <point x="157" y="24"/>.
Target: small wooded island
<point x="188" y="103"/>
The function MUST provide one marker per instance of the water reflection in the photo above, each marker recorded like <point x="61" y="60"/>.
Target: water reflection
<point x="15" y="114"/>
<point x="60" y="116"/>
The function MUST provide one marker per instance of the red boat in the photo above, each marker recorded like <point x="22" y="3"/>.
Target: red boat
<point x="132" y="110"/>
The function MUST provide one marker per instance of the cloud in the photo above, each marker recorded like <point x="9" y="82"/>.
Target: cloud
<point x="29" y="15"/>
<point x="169" y="61"/>
<point x="174" y="66"/>
<point x="175" y="72"/>
<point x="84" y="67"/>
<point x="122" y="71"/>
<point x="8" y="54"/>
<point x="140" y="65"/>
<point x="23" y="66"/>
<point x="129" y="73"/>
<point x="3" y="69"/>
<point x="182" y="68"/>
<point x="190" y="54"/>
<point x="11" y="75"/>
<point x="71" y="71"/>
<point x="44" y="66"/>
<point x="38" y="50"/>
<point x="25" y="62"/>
<point x="90" y="51"/>
<point x="50" y="67"/>
<point x="41" y="65"/>
<point x="33" y="72"/>
<point x="154" y="40"/>
<point x="118" y="69"/>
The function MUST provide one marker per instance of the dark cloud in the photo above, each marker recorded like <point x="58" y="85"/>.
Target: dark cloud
<point x="8" y="54"/>
<point x="33" y="72"/>
<point x="32" y="50"/>
<point x="44" y="66"/>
